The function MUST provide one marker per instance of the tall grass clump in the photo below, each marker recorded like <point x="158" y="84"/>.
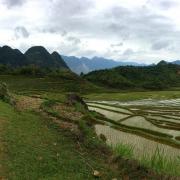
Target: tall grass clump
<point x="157" y="162"/>
<point x="124" y="150"/>
<point x="162" y="164"/>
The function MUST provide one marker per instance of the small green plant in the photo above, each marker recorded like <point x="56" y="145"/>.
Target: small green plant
<point x="124" y="150"/>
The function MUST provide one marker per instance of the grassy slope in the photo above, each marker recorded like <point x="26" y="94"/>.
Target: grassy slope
<point x="31" y="148"/>
<point x="37" y="149"/>
<point x="28" y="84"/>
<point x="56" y="88"/>
<point x="48" y="87"/>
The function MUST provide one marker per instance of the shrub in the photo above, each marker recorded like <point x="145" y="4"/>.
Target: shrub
<point x="4" y="94"/>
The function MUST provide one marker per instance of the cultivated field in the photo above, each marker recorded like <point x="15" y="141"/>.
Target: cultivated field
<point x="148" y="128"/>
<point x="134" y="128"/>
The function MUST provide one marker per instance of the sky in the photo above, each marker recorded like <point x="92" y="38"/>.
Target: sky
<point x="145" y="31"/>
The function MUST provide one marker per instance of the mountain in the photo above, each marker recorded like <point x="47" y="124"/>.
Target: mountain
<point x="36" y="55"/>
<point x="86" y="65"/>
<point x="155" y="77"/>
<point x="39" y="56"/>
<point x="57" y="58"/>
<point x="176" y="62"/>
<point x="12" y="57"/>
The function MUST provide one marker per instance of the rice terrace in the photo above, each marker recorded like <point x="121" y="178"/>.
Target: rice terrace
<point x="155" y="122"/>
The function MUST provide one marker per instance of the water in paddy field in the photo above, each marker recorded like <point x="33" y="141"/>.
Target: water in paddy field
<point x="146" y="102"/>
<point x="141" y="145"/>
<point x="161" y="117"/>
<point x="110" y="115"/>
<point x="111" y="108"/>
<point x="138" y="121"/>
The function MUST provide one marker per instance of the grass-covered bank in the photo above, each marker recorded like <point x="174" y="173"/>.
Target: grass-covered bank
<point x="37" y="148"/>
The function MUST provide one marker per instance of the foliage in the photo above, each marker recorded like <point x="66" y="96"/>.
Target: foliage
<point x="36" y="71"/>
<point x="4" y="93"/>
<point x="152" y="77"/>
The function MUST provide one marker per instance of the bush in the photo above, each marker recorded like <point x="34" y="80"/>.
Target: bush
<point x="155" y="85"/>
<point x="4" y="93"/>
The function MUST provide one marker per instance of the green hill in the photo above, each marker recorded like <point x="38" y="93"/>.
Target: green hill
<point x="156" y="77"/>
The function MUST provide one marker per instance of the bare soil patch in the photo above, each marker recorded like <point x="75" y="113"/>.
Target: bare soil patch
<point x="25" y="103"/>
<point x="68" y="112"/>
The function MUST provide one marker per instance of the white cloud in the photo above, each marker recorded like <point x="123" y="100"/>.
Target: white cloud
<point x="141" y="30"/>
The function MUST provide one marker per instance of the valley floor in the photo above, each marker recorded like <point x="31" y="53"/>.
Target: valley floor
<point x="41" y="145"/>
<point x="43" y="138"/>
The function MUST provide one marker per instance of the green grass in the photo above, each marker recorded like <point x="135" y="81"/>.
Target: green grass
<point x="38" y="149"/>
<point x="35" y="85"/>
<point x="161" y="164"/>
<point x="56" y="88"/>
<point x="130" y="96"/>
<point x="125" y="150"/>
<point x="158" y="161"/>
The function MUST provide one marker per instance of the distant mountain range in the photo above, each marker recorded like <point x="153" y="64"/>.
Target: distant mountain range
<point x="36" y="55"/>
<point x="40" y="57"/>
<point x="86" y="65"/>
<point x="176" y="62"/>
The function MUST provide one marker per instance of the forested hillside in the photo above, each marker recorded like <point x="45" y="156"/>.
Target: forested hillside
<point x="160" y="76"/>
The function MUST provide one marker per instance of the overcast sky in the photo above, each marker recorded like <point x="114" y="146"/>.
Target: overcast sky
<point x="141" y="30"/>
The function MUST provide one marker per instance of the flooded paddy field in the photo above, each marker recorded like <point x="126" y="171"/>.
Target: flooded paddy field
<point x="138" y="143"/>
<point x="144" y="124"/>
